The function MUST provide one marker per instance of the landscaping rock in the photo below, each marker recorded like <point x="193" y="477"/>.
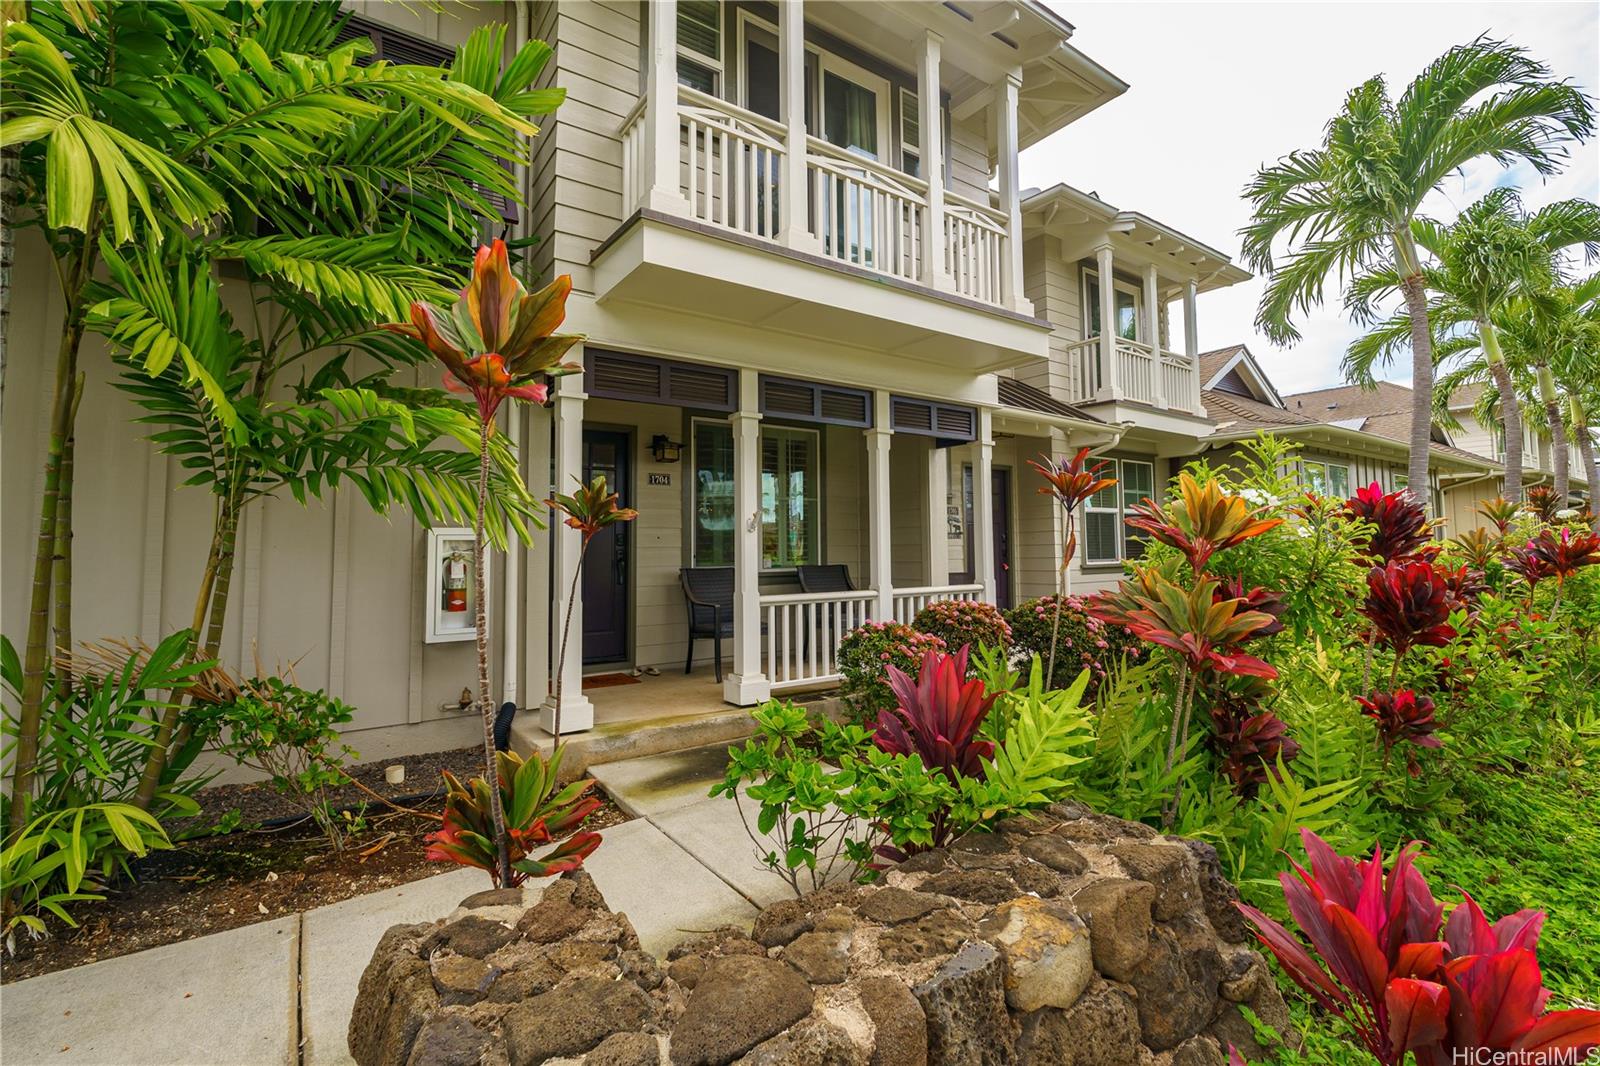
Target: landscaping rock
<point x="572" y="1018"/>
<point x="551" y="920"/>
<point x="824" y="957"/>
<point x="1055" y="852"/>
<point x="1198" y="1051"/>
<point x="1046" y="949"/>
<point x="493" y="897"/>
<point x="1118" y="913"/>
<point x="900" y="1035"/>
<point x="625" y="1049"/>
<point x="449" y="1039"/>
<point x="891" y="906"/>
<point x="940" y="933"/>
<point x="1169" y="868"/>
<point x="1100" y="1029"/>
<point x="1218" y="893"/>
<point x="1177" y="990"/>
<point x="471" y="935"/>
<point x="813" y="1042"/>
<point x="964" y="1004"/>
<point x="781" y="922"/>
<point x="393" y="1000"/>
<point x="460" y="979"/>
<point x="979" y="886"/>
<point x="1037" y="880"/>
<point x="738" y="1002"/>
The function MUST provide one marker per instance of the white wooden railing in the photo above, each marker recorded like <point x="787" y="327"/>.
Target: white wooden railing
<point x="803" y="630"/>
<point x="907" y="602"/>
<point x="635" y="174"/>
<point x="1083" y="369"/>
<point x="1135" y="370"/>
<point x="1138" y="373"/>
<point x="865" y="213"/>
<point x="974" y="246"/>
<point x="1177" y="381"/>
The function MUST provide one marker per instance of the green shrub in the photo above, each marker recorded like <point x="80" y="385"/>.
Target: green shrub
<point x="864" y="653"/>
<point x="1082" y="642"/>
<point x="962" y="623"/>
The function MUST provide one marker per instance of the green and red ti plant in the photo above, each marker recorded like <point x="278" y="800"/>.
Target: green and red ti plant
<point x="937" y="718"/>
<point x="589" y="509"/>
<point x="1250" y="742"/>
<point x="1374" y="956"/>
<point x="1069" y="482"/>
<point x="1543" y="503"/>
<point x="537" y="811"/>
<point x="496" y="342"/>
<point x="1557" y="554"/>
<point x="1500" y="512"/>
<point x="1402" y="716"/>
<point x="1204" y="627"/>
<point x="1399" y="523"/>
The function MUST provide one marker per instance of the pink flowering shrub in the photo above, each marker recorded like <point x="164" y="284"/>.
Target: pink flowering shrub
<point x="962" y="623"/>
<point x="865" y="655"/>
<point x="1084" y="641"/>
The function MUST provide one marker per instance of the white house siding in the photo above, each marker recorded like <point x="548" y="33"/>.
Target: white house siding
<point x="1053" y="288"/>
<point x="969" y="158"/>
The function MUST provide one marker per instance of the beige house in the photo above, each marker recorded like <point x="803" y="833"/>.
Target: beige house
<point x="825" y="331"/>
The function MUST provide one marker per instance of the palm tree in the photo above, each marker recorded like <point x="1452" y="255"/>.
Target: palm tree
<point x="1346" y="207"/>
<point x="1555" y="328"/>
<point x="1492" y="259"/>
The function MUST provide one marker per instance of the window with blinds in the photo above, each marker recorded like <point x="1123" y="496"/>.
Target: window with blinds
<point x="1106" y="539"/>
<point x="1138" y="483"/>
<point x="910" y="134"/>
<point x="700" y="44"/>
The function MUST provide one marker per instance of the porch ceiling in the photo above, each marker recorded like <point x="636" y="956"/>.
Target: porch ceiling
<point x="665" y="262"/>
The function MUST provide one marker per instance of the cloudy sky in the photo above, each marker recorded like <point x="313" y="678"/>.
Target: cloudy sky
<point x="1216" y="89"/>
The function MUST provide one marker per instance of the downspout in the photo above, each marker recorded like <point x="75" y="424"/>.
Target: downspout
<point x="511" y="606"/>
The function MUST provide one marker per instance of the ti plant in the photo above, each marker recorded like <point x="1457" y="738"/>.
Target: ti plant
<point x="938" y="717"/>
<point x="1555" y="554"/>
<point x="1408" y="603"/>
<point x="1202" y="521"/>
<point x="1402" y="716"/>
<point x="589" y="510"/>
<point x="1399" y="523"/>
<point x="1376" y="960"/>
<point x="536" y="813"/>
<point x="496" y="342"/>
<point x="1070" y="482"/>
<point x="1501" y="512"/>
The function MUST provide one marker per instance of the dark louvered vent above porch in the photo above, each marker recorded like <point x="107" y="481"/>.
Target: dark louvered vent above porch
<point x="646" y="379"/>
<point x="947" y="421"/>
<point x="809" y="401"/>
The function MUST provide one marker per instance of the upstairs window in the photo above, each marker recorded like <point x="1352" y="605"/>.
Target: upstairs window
<point x="1125" y="301"/>
<point x="910" y="134"/>
<point x="700" y="44"/>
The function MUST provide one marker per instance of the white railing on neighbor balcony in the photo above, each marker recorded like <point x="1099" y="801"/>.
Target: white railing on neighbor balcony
<point x="907" y="602"/>
<point x="1083" y="369"/>
<point x="860" y="211"/>
<point x="1134" y="370"/>
<point x="974" y="246"/>
<point x="802" y="633"/>
<point x="864" y="213"/>
<point x="1138" y="373"/>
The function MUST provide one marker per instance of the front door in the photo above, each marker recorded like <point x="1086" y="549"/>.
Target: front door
<point x="605" y="568"/>
<point x="1000" y="501"/>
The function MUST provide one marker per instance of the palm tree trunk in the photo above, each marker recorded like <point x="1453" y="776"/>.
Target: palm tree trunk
<point x="36" y="655"/>
<point x="10" y="193"/>
<point x="63" y="550"/>
<point x="1421" y="387"/>
<point x="1581" y="430"/>
<point x="486" y="708"/>
<point x="1510" y="411"/>
<point x="1558" y="433"/>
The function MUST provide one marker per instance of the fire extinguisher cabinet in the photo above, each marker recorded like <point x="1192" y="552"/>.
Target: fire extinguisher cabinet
<point x="451" y="600"/>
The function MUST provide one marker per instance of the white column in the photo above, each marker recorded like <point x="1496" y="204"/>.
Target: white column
<point x="1108" y="325"/>
<point x="1191" y="341"/>
<point x="746" y="684"/>
<point x="1152" y="335"/>
<point x="983" y="507"/>
<point x="538" y="624"/>
<point x="930" y="124"/>
<point x="662" y="192"/>
<point x="935" y="549"/>
<point x="577" y="713"/>
<point x="879" y="542"/>
<point x="1005" y="124"/>
<point x="792" y="105"/>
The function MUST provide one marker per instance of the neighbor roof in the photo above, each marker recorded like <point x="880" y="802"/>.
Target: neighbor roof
<point x="1383" y="411"/>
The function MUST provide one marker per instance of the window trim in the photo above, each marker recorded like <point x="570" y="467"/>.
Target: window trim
<point x="1121" y="510"/>
<point x="876" y="84"/>
<point x="718" y="65"/>
<point x="819" y="526"/>
<point x="814" y="549"/>
<point x="1091" y="297"/>
<point x="1327" y="466"/>
<point x="908" y="150"/>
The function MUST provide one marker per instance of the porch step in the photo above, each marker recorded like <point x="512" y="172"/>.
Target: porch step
<point x="614" y="741"/>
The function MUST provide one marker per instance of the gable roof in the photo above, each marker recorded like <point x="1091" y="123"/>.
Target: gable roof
<point x="1383" y="411"/>
<point x="1219" y="363"/>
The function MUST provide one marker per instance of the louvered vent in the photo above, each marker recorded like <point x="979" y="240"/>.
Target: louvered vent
<point x="807" y="401"/>
<point x="911" y="416"/>
<point x="788" y="398"/>
<point x="955" y="421"/>
<point x="949" y="422"/>
<point x="849" y="408"/>
<point x="622" y="376"/>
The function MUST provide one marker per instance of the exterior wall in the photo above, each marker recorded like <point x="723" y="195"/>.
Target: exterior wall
<point x="969" y="158"/>
<point x="1052" y="286"/>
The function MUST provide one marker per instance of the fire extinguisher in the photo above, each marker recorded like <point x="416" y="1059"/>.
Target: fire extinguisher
<point x="455" y="583"/>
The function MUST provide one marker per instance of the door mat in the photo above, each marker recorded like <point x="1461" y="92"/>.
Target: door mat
<point x="609" y="680"/>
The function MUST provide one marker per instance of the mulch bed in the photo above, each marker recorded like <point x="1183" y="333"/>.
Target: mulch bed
<point x="210" y="883"/>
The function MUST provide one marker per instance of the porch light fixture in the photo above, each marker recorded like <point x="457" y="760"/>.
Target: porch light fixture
<point x="664" y="449"/>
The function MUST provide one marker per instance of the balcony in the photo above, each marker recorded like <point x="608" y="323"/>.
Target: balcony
<point x="1135" y="372"/>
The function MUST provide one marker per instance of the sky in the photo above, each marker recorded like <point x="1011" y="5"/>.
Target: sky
<point x="1218" y="89"/>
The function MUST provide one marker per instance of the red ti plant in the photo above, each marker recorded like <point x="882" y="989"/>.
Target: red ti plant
<point x="589" y="510"/>
<point x="1402" y="716"/>
<point x="1555" y="554"/>
<point x="1409" y="605"/>
<point x="1070" y="482"/>
<point x="1399" y="523"/>
<point x="1541" y="501"/>
<point x="1202" y="521"/>
<point x="1376" y="961"/>
<point x="496" y="342"/>
<point x="937" y="716"/>
<point x="1250" y="742"/>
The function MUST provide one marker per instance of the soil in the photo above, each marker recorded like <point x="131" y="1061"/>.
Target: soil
<point x="212" y="882"/>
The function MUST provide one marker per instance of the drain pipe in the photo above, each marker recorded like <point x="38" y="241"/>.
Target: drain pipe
<point x="510" y="600"/>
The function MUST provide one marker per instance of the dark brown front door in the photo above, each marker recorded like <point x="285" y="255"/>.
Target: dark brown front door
<point x="605" y="568"/>
<point x="1000" y="501"/>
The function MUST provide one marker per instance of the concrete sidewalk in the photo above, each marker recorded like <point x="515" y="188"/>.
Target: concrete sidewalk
<point x="280" y="992"/>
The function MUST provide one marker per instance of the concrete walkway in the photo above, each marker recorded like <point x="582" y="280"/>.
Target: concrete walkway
<point x="280" y="992"/>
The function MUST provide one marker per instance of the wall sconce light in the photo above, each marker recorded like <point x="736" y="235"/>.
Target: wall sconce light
<point x="664" y="449"/>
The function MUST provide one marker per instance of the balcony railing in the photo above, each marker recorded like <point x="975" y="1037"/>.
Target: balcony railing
<point x="856" y="210"/>
<point x="1139" y="372"/>
<point x="907" y="602"/>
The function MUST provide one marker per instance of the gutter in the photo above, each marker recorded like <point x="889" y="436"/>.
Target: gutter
<point x="511" y="600"/>
<point x="1353" y="436"/>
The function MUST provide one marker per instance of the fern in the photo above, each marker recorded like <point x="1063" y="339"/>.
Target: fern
<point x="1044" y="729"/>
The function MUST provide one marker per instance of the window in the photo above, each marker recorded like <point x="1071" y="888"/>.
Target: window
<point x="1104" y="512"/>
<point x="1326" y="479"/>
<point x="700" y="44"/>
<point x="791" y="517"/>
<point x="761" y="91"/>
<point x="1127" y="306"/>
<point x="910" y="134"/>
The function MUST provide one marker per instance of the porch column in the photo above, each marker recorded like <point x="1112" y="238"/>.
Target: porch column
<point x="1108" y="324"/>
<point x="1005" y="124"/>
<point x="1191" y="341"/>
<point x="792" y="105"/>
<point x="1152" y="329"/>
<point x="537" y="624"/>
<point x="983" y="507"/>
<point x="746" y="684"/>
<point x="935" y="550"/>
<point x="930" y="128"/>
<point x="661" y="111"/>
<point x="577" y="713"/>
<point x="879" y="544"/>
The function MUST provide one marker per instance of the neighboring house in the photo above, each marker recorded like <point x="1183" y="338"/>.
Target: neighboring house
<point x="1538" y="456"/>
<point x="800" y="351"/>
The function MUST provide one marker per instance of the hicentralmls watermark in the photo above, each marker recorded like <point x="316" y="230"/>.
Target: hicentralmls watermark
<point x="1485" y="1056"/>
